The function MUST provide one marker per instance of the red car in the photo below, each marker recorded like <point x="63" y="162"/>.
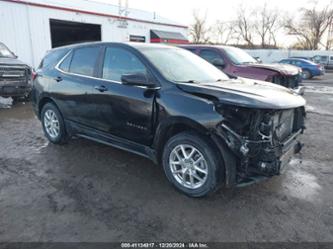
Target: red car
<point x="236" y="62"/>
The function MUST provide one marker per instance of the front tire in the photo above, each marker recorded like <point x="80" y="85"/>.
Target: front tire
<point x="53" y="124"/>
<point x="192" y="164"/>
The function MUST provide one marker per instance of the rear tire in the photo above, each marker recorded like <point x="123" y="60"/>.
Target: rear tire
<point x="197" y="173"/>
<point x="53" y="124"/>
<point x="306" y="74"/>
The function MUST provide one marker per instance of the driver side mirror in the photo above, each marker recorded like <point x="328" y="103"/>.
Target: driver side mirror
<point x="136" y="79"/>
<point x="218" y="62"/>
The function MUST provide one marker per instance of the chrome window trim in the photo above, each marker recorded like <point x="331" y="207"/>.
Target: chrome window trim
<point x="94" y="78"/>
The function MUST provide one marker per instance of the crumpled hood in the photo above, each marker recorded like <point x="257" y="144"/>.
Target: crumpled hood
<point x="12" y="62"/>
<point x="281" y="68"/>
<point x="247" y="93"/>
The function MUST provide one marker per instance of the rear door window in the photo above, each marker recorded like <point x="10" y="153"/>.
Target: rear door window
<point x="210" y="55"/>
<point x="84" y="60"/>
<point x="118" y="62"/>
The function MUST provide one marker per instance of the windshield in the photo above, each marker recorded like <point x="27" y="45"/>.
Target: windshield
<point x="5" y="52"/>
<point x="239" y="56"/>
<point x="180" y="65"/>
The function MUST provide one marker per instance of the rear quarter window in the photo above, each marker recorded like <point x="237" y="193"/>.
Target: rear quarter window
<point x="51" y="59"/>
<point x="64" y="65"/>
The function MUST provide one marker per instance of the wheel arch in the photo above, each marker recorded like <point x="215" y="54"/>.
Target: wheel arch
<point x="177" y="125"/>
<point x="42" y="102"/>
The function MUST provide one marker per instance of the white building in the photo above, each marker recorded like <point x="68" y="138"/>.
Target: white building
<point x="32" y="27"/>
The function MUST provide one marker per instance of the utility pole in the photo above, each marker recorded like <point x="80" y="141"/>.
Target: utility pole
<point x="123" y="13"/>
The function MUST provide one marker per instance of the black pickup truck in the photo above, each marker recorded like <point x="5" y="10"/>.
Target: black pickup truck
<point x="15" y="76"/>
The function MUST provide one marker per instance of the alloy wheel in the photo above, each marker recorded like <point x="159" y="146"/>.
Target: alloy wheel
<point x="51" y="124"/>
<point x="188" y="166"/>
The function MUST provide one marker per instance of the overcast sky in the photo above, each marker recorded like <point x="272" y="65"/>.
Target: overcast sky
<point x="182" y="10"/>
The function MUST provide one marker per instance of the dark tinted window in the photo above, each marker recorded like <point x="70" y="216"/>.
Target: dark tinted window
<point x="331" y="58"/>
<point x="119" y="61"/>
<point x="52" y="58"/>
<point x="210" y="55"/>
<point x="191" y="49"/>
<point x="84" y="60"/>
<point x="66" y="62"/>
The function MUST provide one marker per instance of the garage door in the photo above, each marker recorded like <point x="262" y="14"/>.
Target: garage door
<point x="65" y="32"/>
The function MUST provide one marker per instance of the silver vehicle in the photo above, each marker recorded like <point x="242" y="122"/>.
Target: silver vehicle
<point x="325" y="60"/>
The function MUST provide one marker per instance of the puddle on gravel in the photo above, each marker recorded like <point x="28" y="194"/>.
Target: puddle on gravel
<point x="312" y="109"/>
<point x="41" y="146"/>
<point x="319" y="89"/>
<point x="303" y="185"/>
<point x="18" y="111"/>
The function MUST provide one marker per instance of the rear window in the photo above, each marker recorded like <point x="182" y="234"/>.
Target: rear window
<point x="84" y="61"/>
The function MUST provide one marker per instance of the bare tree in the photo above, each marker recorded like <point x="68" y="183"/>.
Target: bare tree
<point x="312" y="26"/>
<point x="224" y="32"/>
<point x="199" y="30"/>
<point x="329" y="40"/>
<point x="244" y="26"/>
<point x="266" y="26"/>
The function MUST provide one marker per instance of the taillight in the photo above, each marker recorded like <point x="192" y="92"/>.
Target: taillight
<point x="33" y="75"/>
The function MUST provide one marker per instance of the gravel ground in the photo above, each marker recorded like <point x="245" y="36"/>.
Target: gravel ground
<point x="85" y="191"/>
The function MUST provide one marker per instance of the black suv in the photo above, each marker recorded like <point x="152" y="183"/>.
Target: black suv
<point x="171" y="106"/>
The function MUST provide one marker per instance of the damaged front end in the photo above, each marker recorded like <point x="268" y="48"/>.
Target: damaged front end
<point x="15" y="80"/>
<point x="263" y="140"/>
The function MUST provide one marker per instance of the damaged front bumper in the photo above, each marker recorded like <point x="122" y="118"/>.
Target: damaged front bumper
<point x="15" y="89"/>
<point x="15" y="81"/>
<point x="259" y="159"/>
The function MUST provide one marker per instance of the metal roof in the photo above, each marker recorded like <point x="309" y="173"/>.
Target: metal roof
<point x="100" y="9"/>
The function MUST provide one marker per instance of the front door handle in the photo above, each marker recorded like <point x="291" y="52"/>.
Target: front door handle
<point x="58" y="79"/>
<point x="101" y="88"/>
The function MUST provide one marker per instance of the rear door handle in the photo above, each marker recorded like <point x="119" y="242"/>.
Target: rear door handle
<point x="58" y="79"/>
<point x="101" y="88"/>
